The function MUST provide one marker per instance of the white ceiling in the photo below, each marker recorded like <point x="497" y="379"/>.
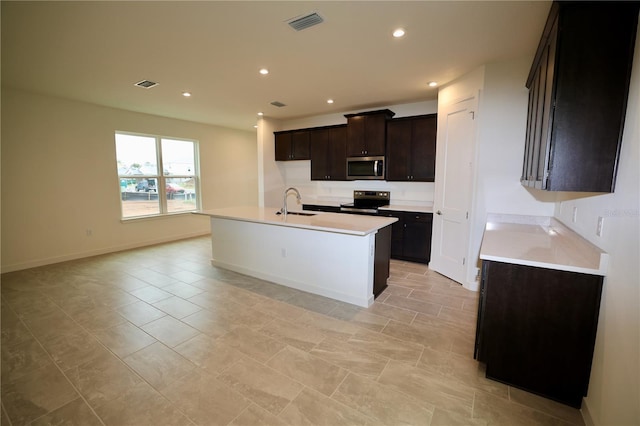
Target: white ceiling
<point x="96" y="51"/>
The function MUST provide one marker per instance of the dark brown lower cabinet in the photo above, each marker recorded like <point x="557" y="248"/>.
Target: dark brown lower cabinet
<point x="537" y="328"/>
<point x="411" y="236"/>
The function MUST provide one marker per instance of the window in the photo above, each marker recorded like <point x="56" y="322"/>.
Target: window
<point x="145" y="191"/>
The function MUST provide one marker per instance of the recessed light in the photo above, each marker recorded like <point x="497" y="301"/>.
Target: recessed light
<point x="329" y="101"/>
<point x="432" y="84"/>
<point x="186" y="94"/>
<point x="264" y="71"/>
<point x="261" y="114"/>
<point x="398" y="33"/>
<point x="255" y="126"/>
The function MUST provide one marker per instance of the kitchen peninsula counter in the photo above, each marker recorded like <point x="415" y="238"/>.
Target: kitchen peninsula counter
<point x="344" y="257"/>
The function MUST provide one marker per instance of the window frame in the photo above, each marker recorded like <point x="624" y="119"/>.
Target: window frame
<point x="161" y="177"/>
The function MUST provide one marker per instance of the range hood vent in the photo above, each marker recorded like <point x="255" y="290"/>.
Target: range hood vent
<point x="146" y="84"/>
<point x="278" y="104"/>
<point x="303" y="22"/>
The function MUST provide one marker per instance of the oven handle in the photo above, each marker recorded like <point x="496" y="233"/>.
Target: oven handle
<point x="357" y="210"/>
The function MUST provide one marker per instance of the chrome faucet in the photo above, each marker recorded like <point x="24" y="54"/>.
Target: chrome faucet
<point x="284" y="201"/>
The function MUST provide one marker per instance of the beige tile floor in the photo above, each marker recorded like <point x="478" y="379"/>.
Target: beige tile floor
<point x="158" y="336"/>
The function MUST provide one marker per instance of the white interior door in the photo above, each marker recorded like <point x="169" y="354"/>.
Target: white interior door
<point x="454" y="178"/>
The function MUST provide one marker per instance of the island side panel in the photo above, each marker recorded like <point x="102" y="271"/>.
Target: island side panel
<point x="339" y="266"/>
<point x="382" y="256"/>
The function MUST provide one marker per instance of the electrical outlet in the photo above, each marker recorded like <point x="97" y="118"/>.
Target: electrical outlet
<point x="574" y="218"/>
<point x="283" y="252"/>
<point x="600" y="225"/>
<point x="89" y="232"/>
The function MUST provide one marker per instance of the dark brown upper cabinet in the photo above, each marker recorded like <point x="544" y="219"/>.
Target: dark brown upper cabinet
<point x="292" y="145"/>
<point x="411" y="148"/>
<point x="366" y="133"/>
<point x="328" y="153"/>
<point x="578" y="89"/>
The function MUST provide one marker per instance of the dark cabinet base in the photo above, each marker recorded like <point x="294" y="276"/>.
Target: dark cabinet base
<point x="537" y="328"/>
<point x="411" y="236"/>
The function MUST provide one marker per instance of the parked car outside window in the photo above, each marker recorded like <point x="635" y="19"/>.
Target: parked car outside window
<point x="172" y="188"/>
<point x="146" y="185"/>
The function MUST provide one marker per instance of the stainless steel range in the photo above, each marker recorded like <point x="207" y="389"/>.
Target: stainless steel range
<point x="366" y="202"/>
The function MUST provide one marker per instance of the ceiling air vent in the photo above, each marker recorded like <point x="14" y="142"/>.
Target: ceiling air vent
<point x="146" y="84"/>
<point x="303" y="22"/>
<point x="278" y="104"/>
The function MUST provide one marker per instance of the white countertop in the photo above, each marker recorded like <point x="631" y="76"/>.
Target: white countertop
<point x="318" y="221"/>
<point x="542" y="242"/>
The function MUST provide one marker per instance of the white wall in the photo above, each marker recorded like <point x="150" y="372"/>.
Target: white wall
<point x="614" y="390"/>
<point x="59" y="178"/>
<point x="501" y="115"/>
<point x="298" y="173"/>
<point x="271" y="178"/>
<point x="502" y="123"/>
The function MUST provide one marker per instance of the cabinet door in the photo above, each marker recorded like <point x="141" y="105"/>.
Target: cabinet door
<point x="548" y="62"/>
<point x="355" y="136"/>
<point x="337" y="153"/>
<point x="545" y="86"/>
<point x="528" y="146"/>
<point x="300" y="145"/>
<point x="397" y="233"/>
<point x="537" y="140"/>
<point x="375" y="134"/>
<point x="398" y="149"/>
<point x="538" y="118"/>
<point x="479" y="352"/>
<point x="283" y="146"/>
<point x="423" y="149"/>
<point x="539" y="327"/>
<point x="319" y="146"/>
<point x="417" y="236"/>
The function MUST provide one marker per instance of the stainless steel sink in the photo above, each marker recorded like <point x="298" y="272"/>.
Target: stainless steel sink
<point x="298" y="213"/>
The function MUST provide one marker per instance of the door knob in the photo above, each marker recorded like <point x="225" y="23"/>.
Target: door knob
<point x="439" y="213"/>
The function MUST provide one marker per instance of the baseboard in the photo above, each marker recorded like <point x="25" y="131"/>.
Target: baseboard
<point x="472" y="285"/>
<point x="96" y="252"/>
<point x="586" y="414"/>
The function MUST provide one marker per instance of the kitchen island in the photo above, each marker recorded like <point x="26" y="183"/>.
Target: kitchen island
<point x="344" y="257"/>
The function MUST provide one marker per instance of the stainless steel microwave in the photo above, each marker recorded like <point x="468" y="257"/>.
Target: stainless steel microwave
<point x="365" y="168"/>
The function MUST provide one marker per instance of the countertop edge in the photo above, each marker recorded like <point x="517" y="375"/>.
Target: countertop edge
<point x="554" y="266"/>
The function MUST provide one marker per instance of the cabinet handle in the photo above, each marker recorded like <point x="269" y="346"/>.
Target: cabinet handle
<point x="439" y="213"/>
